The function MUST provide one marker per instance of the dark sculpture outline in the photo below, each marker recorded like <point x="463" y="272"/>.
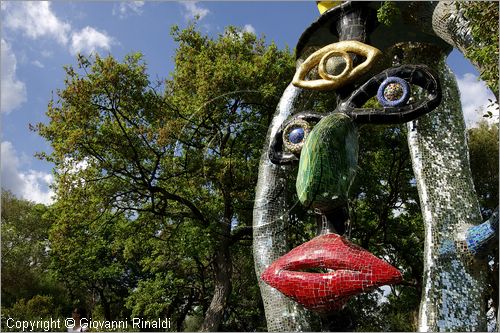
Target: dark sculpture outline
<point x="419" y="75"/>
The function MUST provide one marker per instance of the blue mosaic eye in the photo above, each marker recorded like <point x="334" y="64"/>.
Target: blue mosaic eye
<point x="296" y="135"/>
<point x="394" y="91"/>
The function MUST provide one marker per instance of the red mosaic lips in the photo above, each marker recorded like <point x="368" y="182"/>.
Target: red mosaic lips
<point x="352" y="270"/>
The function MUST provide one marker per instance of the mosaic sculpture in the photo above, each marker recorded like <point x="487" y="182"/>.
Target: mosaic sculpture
<point x="353" y="271"/>
<point x="348" y="52"/>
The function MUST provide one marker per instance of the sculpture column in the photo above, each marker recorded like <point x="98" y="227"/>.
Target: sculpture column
<point x="454" y="283"/>
<point x="270" y="217"/>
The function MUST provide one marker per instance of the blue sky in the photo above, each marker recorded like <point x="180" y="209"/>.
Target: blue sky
<point x="38" y="38"/>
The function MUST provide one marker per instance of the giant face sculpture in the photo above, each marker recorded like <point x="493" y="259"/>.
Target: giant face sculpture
<point x="340" y="53"/>
<point x="324" y="272"/>
<point x="326" y="148"/>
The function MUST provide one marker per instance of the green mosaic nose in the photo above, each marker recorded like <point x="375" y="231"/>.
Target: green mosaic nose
<point x="328" y="163"/>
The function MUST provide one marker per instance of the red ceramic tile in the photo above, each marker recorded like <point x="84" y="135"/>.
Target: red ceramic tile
<point x="353" y="271"/>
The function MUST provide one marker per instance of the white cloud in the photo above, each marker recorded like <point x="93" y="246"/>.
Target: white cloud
<point x="89" y="40"/>
<point x="193" y="10"/>
<point x="37" y="64"/>
<point x="13" y="91"/>
<point x="30" y="185"/>
<point x="474" y="98"/>
<point x="73" y="166"/>
<point x="249" y="28"/>
<point x="35" y="19"/>
<point x="47" y="53"/>
<point x="123" y="9"/>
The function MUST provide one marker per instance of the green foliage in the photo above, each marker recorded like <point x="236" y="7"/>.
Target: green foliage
<point x="88" y="256"/>
<point x="29" y="288"/>
<point x="387" y="12"/>
<point x="35" y="308"/>
<point x="245" y="311"/>
<point x="483" y="20"/>
<point x="386" y="220"/>
<point x="24" y="242"/>
<point x="155" y="187"/>
<point x="193" y="322"/>
<point x="39" y="310"/>
<point x="174" y="268"/>
<point x="483" y="150"/>
<point x="151" y="299"/>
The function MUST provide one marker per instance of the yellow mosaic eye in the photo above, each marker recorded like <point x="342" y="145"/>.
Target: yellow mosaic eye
<point x="335" y="65"/>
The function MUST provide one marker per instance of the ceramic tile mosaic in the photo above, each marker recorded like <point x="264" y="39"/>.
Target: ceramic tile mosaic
<point x="270" y="220"/>
<point x="454" y="280"/>
<point x="323" y="273"/>
<point x="454" y="284"/>
<point x="480" y="237"/>
<point x="271" y="211"/>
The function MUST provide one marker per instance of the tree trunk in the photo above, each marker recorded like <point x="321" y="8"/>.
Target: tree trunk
<point x="184" y="312"/>
<point x="223" y="270"/>
<point x="106" y="306"/>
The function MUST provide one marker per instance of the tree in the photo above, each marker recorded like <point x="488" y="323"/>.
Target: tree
<point x="176" y="276"/>
<point x="242" y="91"/>
<point x="483" y="18"/>
<point x="186" y="158"/>
<point x="483" y="150"/>
<point x="29" y="287"/>
<point x="386" y="220"/>
<point x="24" y="243"/>
<point x="88" y="257"/>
